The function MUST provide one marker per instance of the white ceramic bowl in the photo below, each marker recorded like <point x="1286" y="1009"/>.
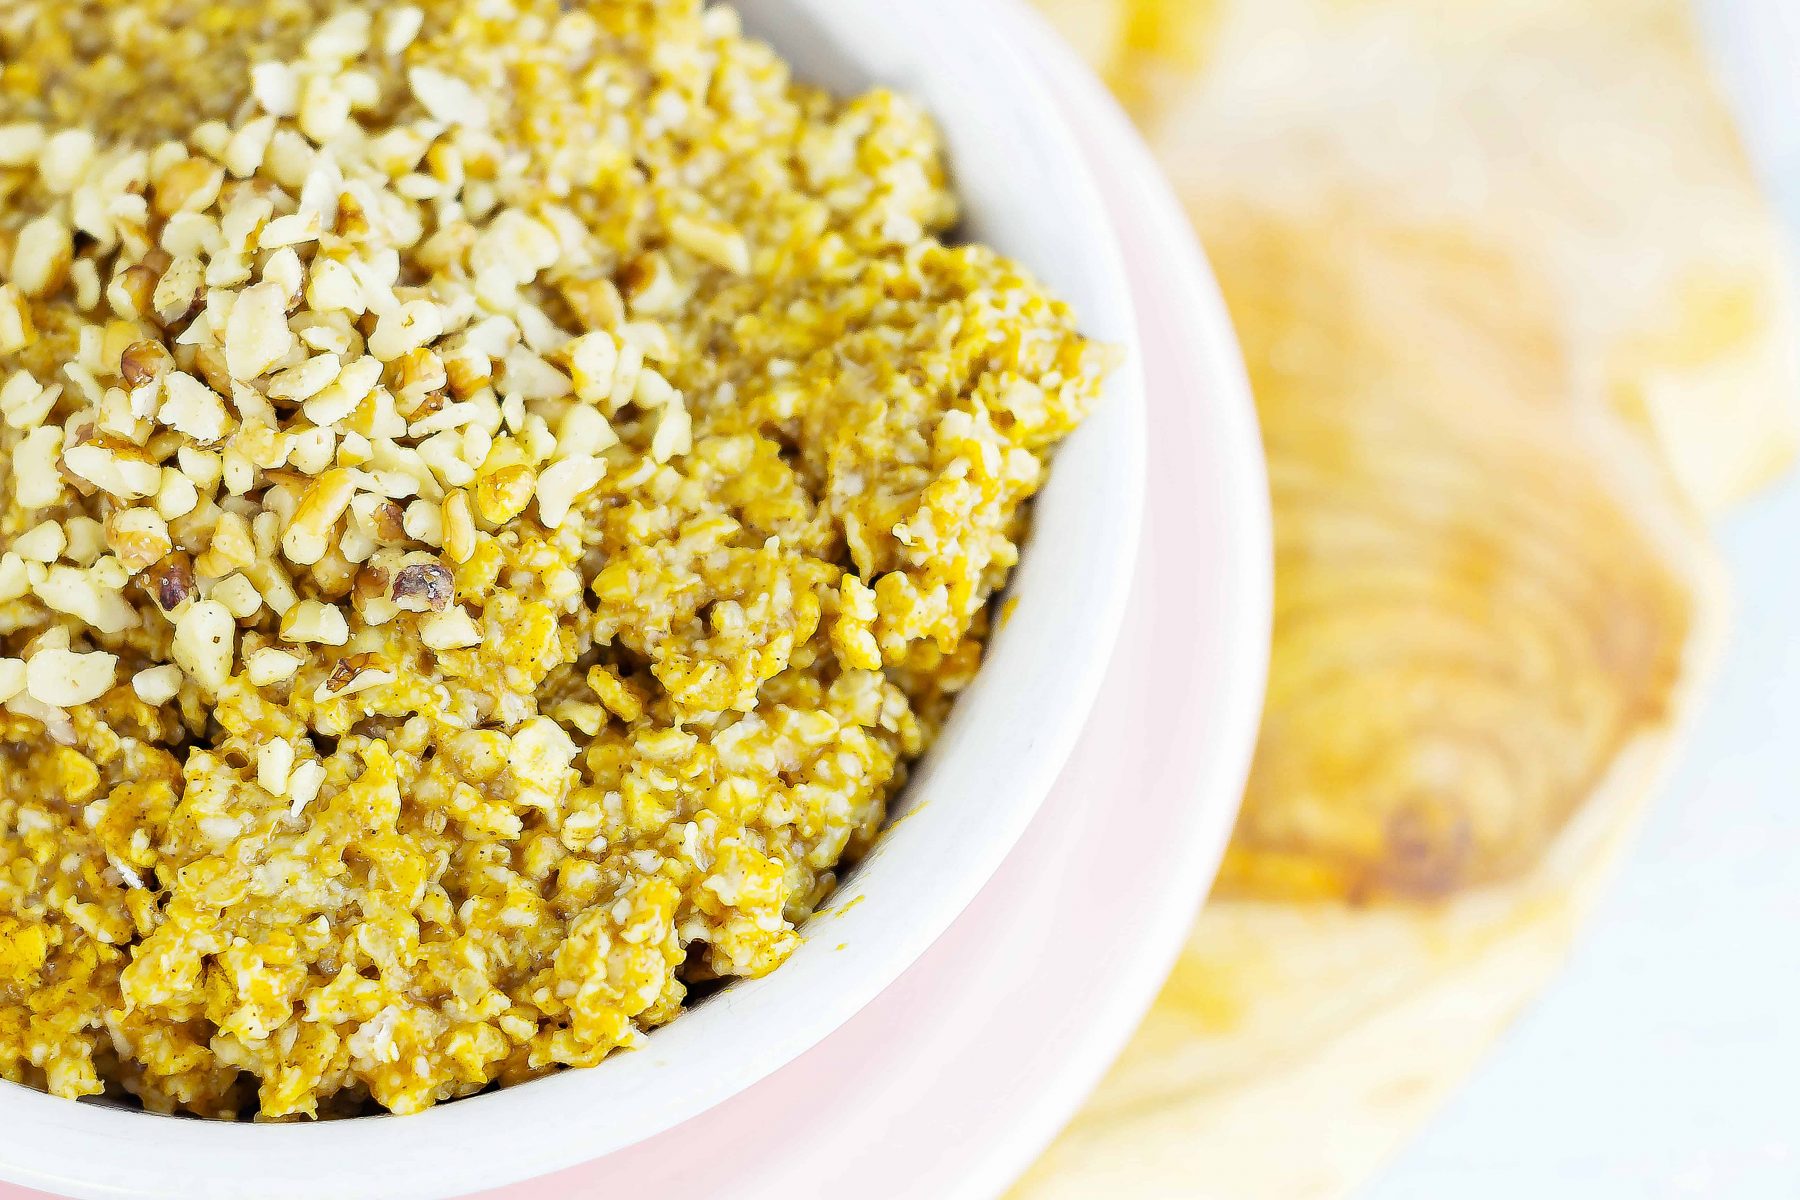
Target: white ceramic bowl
<point x="1025" y="191"/>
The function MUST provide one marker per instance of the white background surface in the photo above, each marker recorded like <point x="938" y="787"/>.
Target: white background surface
<point x="1666" y="1060"/>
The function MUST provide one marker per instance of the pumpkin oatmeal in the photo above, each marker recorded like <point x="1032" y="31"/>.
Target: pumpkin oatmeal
<point x="493" y="495"/>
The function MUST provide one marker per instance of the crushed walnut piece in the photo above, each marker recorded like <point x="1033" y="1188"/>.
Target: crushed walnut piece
<point x="493" y="493"/>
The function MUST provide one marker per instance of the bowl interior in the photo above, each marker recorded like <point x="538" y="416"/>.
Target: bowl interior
<point x="1025" y="190"/>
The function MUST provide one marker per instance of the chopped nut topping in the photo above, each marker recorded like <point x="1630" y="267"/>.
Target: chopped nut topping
<point x="15" y="577"/>
<point x="390" y="523"/>
<point x="233" y="547"/>
<point x="306" y="380"/>
<point x="674" y="432"/>
<point x="407" y="328"/>
<point x="20" y="142"/>
<point x="276" y="87"/>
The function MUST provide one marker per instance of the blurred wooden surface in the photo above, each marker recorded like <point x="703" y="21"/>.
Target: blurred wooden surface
<point x="1570" y="1103"/>
<point x="1517" y="317"/>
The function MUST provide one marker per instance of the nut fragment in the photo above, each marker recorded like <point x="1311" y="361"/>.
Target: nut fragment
<point x="324" y="109"/>
<point x="204" y="643"/>
<point x="238" y="595"/>
<point x="583" y="431"/>
<point x="128" y="478"/>
<point x="85" y="540"/>
<point x="649" y="285"/>
<point x="43" y="542"/>
<point x="188" y="186"/>
<point x="674" y="433"/>
<point x="257" y="335"/>
<point x="274" y="763"/>
<point x="540" y="755"/>
<point x="24" y="403"/>
<point x="15" y="577"/>
<point x="192" y="408"/>
<point x="276" y="88"/>
<point x="309" y="533"/>
<point x="20" y="143"/>
<point x="88" y="595"/>
<point x="177" y="292"/>
<point x="372" y="582"/>
<point x="459" y="527"/>
<point x="42" y="256"/>
<point x="315" y="621"/>
<point x="139" y="536"/>
<point x="144" y="362"/>
<point x="16" y="328"/>
<point x="339" y="398"/>
<point x="304" y="784"/>
<point x="293" y="229"/>
<point x="12" y="678"/>
<point x="170" y="582"/>
<point x="424" y="522"/>
<point x="408" y="328"/>
<point x="269" y="665"/>
<point x="157" y="685"/>
<point x="233" y="547"/>
<point x="36" y="481"/>
<point x="423" y="586"/>
<point x="352" y="674"/>
<point x="306" y="380"/>
<point x="390" y="523"/>
<point x="452" y="629"/>
<point x="447" y="98"/>
<point x="65" y="678"/>
<point x="592" y="359"/>
<point x="503" y="494"/>
<point x="716" y="244"/>
<point x="562" y="483"/>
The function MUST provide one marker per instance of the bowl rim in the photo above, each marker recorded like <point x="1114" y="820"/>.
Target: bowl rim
<point x="1243" y="659"/>
<point x="89" y="1150"/>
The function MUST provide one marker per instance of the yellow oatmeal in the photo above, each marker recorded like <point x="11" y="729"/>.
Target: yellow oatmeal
<point x="495" y="492"/>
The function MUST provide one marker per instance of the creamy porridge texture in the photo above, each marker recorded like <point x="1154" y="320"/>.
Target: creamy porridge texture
<point x="493" y="495"/>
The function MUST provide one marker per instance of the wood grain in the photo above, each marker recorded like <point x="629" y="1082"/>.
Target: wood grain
<point x="1517" y="319"/>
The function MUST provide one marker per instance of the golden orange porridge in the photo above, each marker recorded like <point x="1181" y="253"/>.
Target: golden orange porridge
<point x="495" y="492"/>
